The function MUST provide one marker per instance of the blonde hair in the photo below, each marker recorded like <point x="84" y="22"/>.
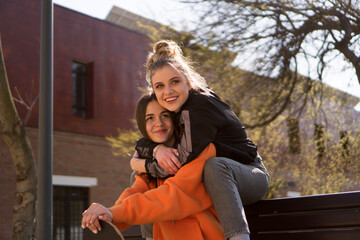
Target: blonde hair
<point x="169" y="52"/>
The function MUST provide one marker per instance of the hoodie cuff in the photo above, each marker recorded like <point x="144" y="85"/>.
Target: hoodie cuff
<point x="118" y="212"/>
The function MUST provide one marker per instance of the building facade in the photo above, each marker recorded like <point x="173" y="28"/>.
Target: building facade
<point x="98" y="68"/>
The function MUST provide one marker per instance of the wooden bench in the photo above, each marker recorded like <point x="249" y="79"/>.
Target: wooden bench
<point x="316" y="217"/>
<point x="133" y="233"/>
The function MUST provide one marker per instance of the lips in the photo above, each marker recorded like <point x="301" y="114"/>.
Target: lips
<point x="171" y="99"/>
<point x="161" y="131"/>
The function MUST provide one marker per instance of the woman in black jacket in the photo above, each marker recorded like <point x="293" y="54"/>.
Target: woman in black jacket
<point x="237" y="175"/>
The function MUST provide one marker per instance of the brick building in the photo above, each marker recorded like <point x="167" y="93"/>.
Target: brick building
<point x="98" y="67"/>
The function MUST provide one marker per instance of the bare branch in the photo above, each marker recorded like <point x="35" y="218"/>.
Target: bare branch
<point x="277" y="32"/>
<point x="28" y="107"/>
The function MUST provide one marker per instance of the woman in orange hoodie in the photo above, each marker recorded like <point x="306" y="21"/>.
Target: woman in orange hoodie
<point x="179" y="206"/>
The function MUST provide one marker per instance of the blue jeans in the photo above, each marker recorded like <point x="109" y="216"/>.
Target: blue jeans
<point x="231" y="185"/>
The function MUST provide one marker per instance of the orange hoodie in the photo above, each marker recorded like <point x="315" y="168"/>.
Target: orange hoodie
<point x="179" y="207"/>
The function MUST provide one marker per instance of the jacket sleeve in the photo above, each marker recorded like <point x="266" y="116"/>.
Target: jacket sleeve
<point x="180" y="196"/>
<point x="141" y="185"/>
<point x="155" y="170"/>
<point x="145" y="147"/>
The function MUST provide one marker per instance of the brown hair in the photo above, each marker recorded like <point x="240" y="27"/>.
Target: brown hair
<point x="140" y="112"/>
<point x="169" y="52"/>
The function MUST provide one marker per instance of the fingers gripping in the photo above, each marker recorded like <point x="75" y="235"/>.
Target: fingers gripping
<point x="167" y="159"/>
<point x="92" y="215"/>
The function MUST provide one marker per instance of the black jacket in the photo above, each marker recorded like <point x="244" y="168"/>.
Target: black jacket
<point x="203" y="119"/>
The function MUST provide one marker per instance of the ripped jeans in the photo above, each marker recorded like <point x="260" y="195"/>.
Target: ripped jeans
<point x="231" y="185"/>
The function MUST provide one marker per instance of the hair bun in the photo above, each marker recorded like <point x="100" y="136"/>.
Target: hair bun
<point x="166" y="49"/>
<point x="168" y="52"/>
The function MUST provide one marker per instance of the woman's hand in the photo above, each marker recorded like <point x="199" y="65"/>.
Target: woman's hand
<point x="137" y="164"/>
<point x="93" y="214"/>
<point x="167" y="159"/>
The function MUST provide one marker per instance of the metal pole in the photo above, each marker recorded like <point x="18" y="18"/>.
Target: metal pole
<point x="44" y="216"/>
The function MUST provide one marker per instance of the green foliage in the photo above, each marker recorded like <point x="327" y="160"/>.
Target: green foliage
<point x="124" y="143"/>
<point x="314" y="169"/>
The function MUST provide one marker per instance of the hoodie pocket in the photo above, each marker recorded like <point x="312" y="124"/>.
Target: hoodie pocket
<point x="187" y="228"/>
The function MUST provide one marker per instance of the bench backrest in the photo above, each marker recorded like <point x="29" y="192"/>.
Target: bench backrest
<point x="318" y="217"/>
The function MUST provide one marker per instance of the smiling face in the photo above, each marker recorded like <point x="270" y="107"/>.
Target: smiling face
<point x="170" y="87"/>
<point x="159" y="125"/>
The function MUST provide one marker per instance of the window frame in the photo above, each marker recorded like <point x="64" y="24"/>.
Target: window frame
<point x="82" y="89"/>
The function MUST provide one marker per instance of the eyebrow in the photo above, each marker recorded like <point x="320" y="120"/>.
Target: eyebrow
<point x="168" y="80"/>
<point x="152" y="114"/>
<point x="173" y="78"/>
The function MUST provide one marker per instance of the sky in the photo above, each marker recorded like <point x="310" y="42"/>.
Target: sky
<point x="167" y="12"/>
<point x="182" y="16"/>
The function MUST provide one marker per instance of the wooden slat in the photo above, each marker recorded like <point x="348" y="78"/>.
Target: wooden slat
<point x="307" y="203"/>
<point x="333" y="219"/>
<point x="345" y="234"/>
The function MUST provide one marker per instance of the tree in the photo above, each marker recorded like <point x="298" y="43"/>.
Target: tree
<point x="124" y="144"/>
<point x="287" y="162"/>
<point x="280" y="37"/>
<point x="303" y="167"/>
<point x="14" y="136"/>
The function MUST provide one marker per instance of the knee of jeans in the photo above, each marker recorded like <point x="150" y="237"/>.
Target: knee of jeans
<point x="213" y="167"/>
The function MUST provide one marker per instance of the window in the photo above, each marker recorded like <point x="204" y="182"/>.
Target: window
<point x="344" y="140"/>
<point x="69" y="203"/>
<point x="293" y="135"/>
<point x="319" y="140"/>
<point x="82" y="89"/>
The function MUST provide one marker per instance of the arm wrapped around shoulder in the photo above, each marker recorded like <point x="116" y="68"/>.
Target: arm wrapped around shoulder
<point x="145" y="148"/>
